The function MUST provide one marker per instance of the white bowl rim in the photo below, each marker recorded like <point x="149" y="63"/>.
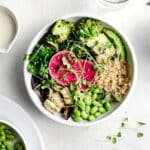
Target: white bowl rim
<point x="49" y="115"/>
<point x="13" y="16"/>
<point x="7" y="123"/>
<point x="11" y="124"/>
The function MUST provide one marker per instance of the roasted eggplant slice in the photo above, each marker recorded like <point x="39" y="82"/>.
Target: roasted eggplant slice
<point x="67" y="112"/>
<point x="35" y="81"/>
<point x="67" y="96"/>
<point x="44" y="94"/>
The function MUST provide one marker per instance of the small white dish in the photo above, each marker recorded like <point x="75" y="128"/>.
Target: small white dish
<point x="13" y="38"/>
<point x="15" y="130"/>
<point x="58" y="118"/>
<point x="13" y="115"/>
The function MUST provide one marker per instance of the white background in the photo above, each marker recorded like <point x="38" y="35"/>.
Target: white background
<point x="134" y="20"/>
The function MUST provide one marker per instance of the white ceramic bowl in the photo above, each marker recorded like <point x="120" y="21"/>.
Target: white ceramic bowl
<point x="6" y="50"/>
<point x="35" y="99"/>
<point x="16" y="130"/>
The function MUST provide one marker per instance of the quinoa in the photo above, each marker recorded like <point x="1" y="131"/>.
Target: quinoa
<point x="115" y="79"/>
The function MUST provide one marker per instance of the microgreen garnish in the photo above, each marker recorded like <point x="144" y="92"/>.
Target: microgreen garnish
<point x="119" y="134"/>
<point x="140" y="134"/>
<point x="114" y="140"/>
<point x="124" y="125"/>
<point x="148" y="3"/>
<point x="126" y="119"/>
<point x="66" y="63"/>
<point x="141" y="123"/>
<point x="108" y="137"/>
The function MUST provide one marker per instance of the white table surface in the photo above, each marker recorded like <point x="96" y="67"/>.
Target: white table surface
<point x="134" y="20"/>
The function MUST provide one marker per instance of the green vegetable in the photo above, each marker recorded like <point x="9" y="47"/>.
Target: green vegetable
<point x="119" y="134"/>
<point x="108" y="137"/>
<point x="38" y="61"/>
<point x="8" y="138"/>
<point x="117" y="42"/>
<point x="97" y="114"/>
<point x="66" y="63"/>
<point x="84" y="115"/>
<point x="141" y="123"/>
<point x="87" y="100"/>
<point x="76" y="118"/>
<point x="140" y="134"/>
<point x="76" y="112"/>
<point x="88" y="28"/>
<point x="102" y="110"/>
<point x="107" y="106"/>
<point x="96" y="103"/>
<point x="93" y="110"/>
<point x="123" y="125"/>
<point x="91" y="117"/>
<point x="148" y="3"/>
<point x="61" y="30"/>
<point x="114" y="140"/>
<point x="81" y="104"/>
<point x="87" y="109"/>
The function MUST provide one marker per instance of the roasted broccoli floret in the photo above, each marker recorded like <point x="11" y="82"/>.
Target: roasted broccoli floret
<point x="61" y="30"/>
<point x="88" y="28"/>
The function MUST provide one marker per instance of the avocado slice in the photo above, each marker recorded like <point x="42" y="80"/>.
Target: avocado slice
<point x="101" y="43"/>
<point x="117" y="42"/>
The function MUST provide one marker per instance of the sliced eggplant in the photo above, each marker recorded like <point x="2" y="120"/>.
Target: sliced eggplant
<point x="57" y="100"/>
<point x="57" y="87"/>
<point x="44" y="94"/>
<point x="67" y="96"/>
<point x="67" y="112"/>
<point x="35" y="81"/>
<point x="51" y="107"/>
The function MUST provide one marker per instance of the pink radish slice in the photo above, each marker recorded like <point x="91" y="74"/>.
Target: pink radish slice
<point x="59" y="71"/>
<point x="88" y="73"/>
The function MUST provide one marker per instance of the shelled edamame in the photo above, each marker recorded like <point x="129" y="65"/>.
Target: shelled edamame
<point x="8" y="140"/>
<point x="89" y="104"/>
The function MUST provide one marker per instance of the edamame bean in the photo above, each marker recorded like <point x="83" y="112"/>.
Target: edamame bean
<point x="2" y="127"/>
<point x="76" y="112"/>
<point x="94" y="96"/>
<point x="93" y="110"/>
<point x="7" y="137"/>
<point x="103" y="101"/>
<point x="81" y="104"/>
<point x="2" y="138"/>
<point x="102" y="110"/>
<point x="91" y="117"/>
<point x="97" y="114"/>
<point x="96" y="103"/>
<point x="87" y="100"/>
<point x="87" y="109"/>
<point x="84" y="115"/>
<point x="77" y="118"/>
<point x="96" y="90"/>
<point x="89" y="94"/>
<point x="107" y="106"/>
<point x="10" y="137"/>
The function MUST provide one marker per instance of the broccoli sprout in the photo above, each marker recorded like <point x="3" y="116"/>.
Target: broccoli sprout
<point x="61" y="30"/>
<point x="88" y="28"/>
